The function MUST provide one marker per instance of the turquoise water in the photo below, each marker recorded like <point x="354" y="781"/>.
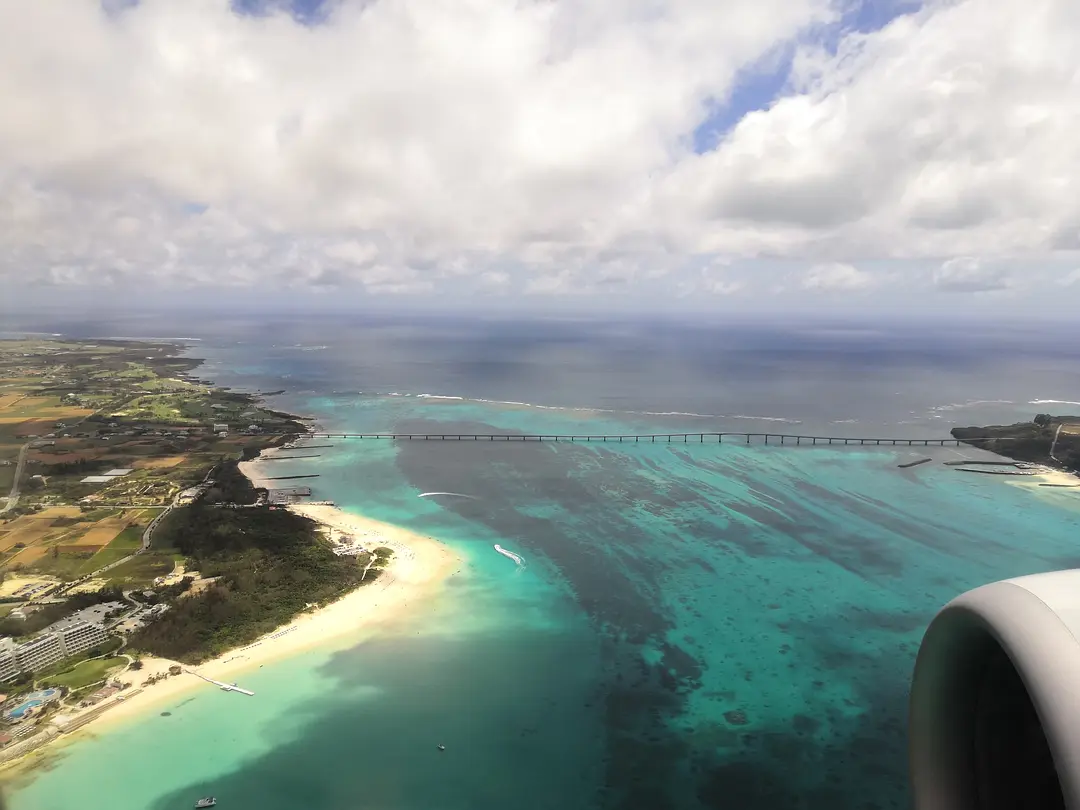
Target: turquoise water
<point x="696" y="626"/>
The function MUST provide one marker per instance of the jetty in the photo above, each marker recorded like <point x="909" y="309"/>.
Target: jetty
<point x="971" y="463"/>
<point x="287" y="458"/>
<point x="289" y="477"/>
<point x="997" y="472"/>
<point x="914" y="463"/>
<point x="225" y="687"/>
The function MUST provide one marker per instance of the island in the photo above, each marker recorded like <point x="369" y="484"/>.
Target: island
<point x="1048" y="440"/>
<point x="133" y="546"/>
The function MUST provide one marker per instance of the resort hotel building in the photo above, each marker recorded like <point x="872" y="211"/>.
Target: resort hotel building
<point x="59" y="640"/>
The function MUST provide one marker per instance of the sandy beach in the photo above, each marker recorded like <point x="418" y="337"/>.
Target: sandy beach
<point x="1046" y="475"/>
<point x="418" y="568"/>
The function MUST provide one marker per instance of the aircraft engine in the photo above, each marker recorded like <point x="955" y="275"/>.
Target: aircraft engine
<point x="994" y="718"/>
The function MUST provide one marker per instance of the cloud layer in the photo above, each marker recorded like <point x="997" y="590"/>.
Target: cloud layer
<point x="544" y="146"/>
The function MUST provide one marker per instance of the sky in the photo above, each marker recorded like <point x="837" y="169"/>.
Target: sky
<point x="547" y="155"/>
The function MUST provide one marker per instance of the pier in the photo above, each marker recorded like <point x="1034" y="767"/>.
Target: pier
<point x="289" y="477"/>
<point x="653" y="438"/>
<point x="287" y="458"/>
<point x="914" y="463"/>
<point x="225" y="687"/>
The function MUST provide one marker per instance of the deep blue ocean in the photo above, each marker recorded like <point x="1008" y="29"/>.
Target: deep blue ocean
<point x="698" y="626"/>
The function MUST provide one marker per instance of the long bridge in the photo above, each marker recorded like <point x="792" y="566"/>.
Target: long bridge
<point x="665" y="438"/>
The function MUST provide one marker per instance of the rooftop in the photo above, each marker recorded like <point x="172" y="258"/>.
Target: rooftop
<point x="94" y="614"/>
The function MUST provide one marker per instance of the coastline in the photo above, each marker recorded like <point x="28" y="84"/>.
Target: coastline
<point x="417" y="570"/>
<point x="1060" y="479"/>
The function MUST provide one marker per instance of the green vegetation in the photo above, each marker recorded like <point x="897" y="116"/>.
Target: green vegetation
<point x="123" y="545"/>
<point x="1030" y="441"/>
<point x="230" y="486"/>
<point x="64" y="562"/>
<point x="141" y="570"/>
<point x="83" y="674"/>
<point x="103" y="651"/>
<point x="270" y="563"/>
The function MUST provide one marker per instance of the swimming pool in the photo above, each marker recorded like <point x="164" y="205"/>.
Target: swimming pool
<point x="33" y="700"/>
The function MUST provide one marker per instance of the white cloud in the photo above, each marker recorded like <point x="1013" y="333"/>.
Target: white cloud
<point x="404" y="146"/>
<point x="948" y="132"/>
<point x="1070" y="279"/>
<point x="967" y="274"/>
<point x="836" y="276"/>
<point x="352" y="252"/>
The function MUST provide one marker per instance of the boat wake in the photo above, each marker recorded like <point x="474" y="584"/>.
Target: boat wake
<point x="455" y="494"/>
<point x="515" y="557"/>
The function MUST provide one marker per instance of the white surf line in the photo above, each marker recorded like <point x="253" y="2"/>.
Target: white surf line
<point x="455" y="494"/>
<point x="515" y="557"/>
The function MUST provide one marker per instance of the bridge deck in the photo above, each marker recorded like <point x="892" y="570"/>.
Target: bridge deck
<point x="682" y="438"/>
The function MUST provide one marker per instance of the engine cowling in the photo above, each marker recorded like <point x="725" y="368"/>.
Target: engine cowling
<point x="994" y="718"/>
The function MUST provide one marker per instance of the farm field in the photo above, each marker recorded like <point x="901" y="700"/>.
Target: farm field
<point x="65" y="542"/>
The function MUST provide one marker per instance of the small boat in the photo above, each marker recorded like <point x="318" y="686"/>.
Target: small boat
<point x="442" y="747"/>
<point x="206" y="801"/>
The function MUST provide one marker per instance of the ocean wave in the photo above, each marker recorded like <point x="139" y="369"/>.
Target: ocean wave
<point x="582" y="409"/>
<point x="1052" y="402"/>
<point x="506" y="553"/>
<point x="971" y="403"/>
<point x="121" y="337"/>
<point x="455" y="494"/>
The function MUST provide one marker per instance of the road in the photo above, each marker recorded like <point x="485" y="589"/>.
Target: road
<point x="13" y="496"/>
<point x="148" y="535"/>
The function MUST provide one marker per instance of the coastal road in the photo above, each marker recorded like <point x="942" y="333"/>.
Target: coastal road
<point x="13" y="496"/>
<point x="148" y="535"/>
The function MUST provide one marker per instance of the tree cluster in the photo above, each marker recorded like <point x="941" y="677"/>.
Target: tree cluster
<point x="269" y="566"/>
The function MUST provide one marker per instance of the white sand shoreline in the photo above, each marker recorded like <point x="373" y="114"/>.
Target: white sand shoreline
<point x="1059" y="479"/>
<point x="419" y="567"/>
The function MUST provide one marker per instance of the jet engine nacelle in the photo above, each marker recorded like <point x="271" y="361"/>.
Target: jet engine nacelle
<point x="994" y="720"/>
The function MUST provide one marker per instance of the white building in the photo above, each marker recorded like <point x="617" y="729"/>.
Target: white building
<point x="60" y="640"/>
<point x="81" y="636"/>
<point x="9" y="667"/>
<point x="40" y="652"/>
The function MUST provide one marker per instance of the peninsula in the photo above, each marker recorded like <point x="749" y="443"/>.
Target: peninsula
<point x="134" y="546"/>
<point x="1046" y="439"/>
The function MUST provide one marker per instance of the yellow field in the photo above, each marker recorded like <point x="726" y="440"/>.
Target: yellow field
<point x="58" y="512"/>
<point x="26" y="530"/>
<point x="28" y="555"/>
<point x="7" y="400"/>
<point x="158" y="463"/>
<point x="103" y="532"/>
<point x="13" y="583"/>
<point x="84" y="539"/>
<point x="89" y="586"/>
<point x="41" y="408"/>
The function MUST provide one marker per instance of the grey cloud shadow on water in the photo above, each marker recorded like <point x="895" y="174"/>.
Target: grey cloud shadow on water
<point x="381" y="753"/>
<point x="647" y="753"/>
